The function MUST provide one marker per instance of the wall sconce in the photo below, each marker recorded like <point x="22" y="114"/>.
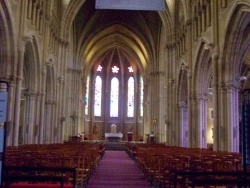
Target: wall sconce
<point x="154" y="121"/>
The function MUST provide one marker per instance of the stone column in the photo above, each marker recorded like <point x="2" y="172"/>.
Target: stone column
<point x="30" y="114"/>
<point x="53" y="134"/>
<point x="42" y="109"/>
<point x="19" y="80"/>
<point x="183" y="124"/>
<point x="11" y="99"/>
<point x="221" y="127"/>
<point x="232" y="116"/>
<point x="189" y="81"/>
<point x="48" y="116"/>
<point x="17" y="110"/>
<point x="60" y="117"/>
<point x="168" y="97"/>
<point x="201" y="126"/>
<point x="37" y="117"/>
<point x="62" y="79"/>
<point x="215" y="56"/>
<point x="156" y="110"/>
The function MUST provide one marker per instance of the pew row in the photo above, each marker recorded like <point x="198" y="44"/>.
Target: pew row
<point x="62" y="175"/>
<point x="160" y="163"/>
<point x="52" y="159"/>
<point x="211" y="178"/>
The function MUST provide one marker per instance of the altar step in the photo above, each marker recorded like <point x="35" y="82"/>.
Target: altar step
<point x="115" y="145"/>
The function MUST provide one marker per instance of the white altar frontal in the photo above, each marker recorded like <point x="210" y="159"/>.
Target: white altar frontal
<point x="113" y="136"/>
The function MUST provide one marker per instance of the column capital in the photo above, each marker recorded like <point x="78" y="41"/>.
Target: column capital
<point x="157" y="73"/>
<point x="48" y="102"/>
<point x="31" y="95"/>
<point x="63" y="42"/>
<point x="183" y="105"/>
<point x="61" y="78"/>
<point x="232" y="84"/>
<point x="215" y="52"/>
<point x="201" y="97"/>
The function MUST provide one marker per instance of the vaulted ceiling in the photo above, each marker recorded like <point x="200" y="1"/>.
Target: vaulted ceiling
<point x="135" y="33"/>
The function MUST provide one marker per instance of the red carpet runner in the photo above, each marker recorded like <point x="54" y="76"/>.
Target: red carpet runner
<point x="117" y="170"/>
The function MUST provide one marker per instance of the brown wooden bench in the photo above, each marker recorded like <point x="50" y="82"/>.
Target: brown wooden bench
<point x="210" y="178"/>
<point x="38" y="174"/>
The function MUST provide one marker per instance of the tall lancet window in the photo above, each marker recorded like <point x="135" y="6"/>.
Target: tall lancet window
<point x="131" y="94"/>
<point x="131" y="102"/>
<point x="141" y="96"/>
<point x="86" y="99"/>
<point x="114" y="94"/>
<point x="98" y="94"/>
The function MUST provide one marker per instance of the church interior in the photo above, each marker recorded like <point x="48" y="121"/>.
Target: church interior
<point x="75" y="72"/>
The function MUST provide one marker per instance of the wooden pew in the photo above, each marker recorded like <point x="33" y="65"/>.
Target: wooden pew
<point x="210" y="178"/>
<point x="16" y="174"/>
<point x="83" y="157"/>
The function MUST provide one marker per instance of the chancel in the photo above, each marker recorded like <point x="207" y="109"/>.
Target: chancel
<point x="113" y="135"/>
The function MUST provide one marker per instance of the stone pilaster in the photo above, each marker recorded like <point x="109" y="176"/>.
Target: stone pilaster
<point x="183" y="131"/>
<point x="48" y="116"/>
<point x="42" y="108"/>
<point x="215" y="57"/>
<point x="11" y="99"/>
<point x="202" y="120"/>
<point x="30" y="115"/>
<point x="232" y="116"/>
<point x="19" y="80"/>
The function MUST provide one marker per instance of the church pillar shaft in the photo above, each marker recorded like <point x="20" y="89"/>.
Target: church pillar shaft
<point x="154" y="101"/>
<point x="232" y="116"/>
<point x="168" y="95"/>
<point x="215" y="57"/>
<point x="183" y="125"/>
<point x="30" y="117"/>
<point x="189" y="81"/>
<point x="42" y="109"/>
<point x="63" y="104"/>
<point x="53" y="123"/>
<point x="47" y="127"/>
<point x="201" y="122"/>
<point x="11" y="100"/>
<point x="18" y="96"/>
<point x="37" y="116"/>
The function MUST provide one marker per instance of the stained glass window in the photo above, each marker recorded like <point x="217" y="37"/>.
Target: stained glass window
<point x="115" y="69"/>
<point x="141" y="96"/>
<point x="131" y="102"/>
<point x="98" y="96"/>
<point x="99" y="68"/>
<point x="130" y="69"/>
<point x="86" y="98"/>
<point x="114" y="96"/>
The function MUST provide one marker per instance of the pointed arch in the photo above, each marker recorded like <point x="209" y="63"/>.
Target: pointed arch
<point x="201" y="81"/>
<point x="237" y="34"/>
<point x="202" y="69"/>
<point x="8" y="42"/>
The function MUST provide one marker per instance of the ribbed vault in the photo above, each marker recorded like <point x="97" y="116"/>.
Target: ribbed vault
<point x="99" y="31"/>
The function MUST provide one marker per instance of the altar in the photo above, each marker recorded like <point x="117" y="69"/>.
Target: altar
<point x="113" y="136"/>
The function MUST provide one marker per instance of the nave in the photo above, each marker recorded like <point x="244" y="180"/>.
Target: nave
<point x="117" y="170"/>
<point x="94" y="165"/>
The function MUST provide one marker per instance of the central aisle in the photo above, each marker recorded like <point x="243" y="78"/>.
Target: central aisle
<point x="117" y="170"/>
